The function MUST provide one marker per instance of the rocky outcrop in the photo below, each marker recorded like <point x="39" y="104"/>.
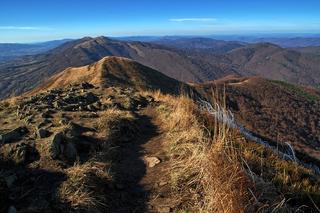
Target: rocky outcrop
<point x="13" y="135"/>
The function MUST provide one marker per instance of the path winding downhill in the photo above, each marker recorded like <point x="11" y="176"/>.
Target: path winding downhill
<point x="139" y="186"/>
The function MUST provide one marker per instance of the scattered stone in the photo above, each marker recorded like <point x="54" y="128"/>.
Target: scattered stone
<point x="164" y="209"/>
<point x="57" y="104"/>
<point x="13" y="135"/>
<point x="64" y="121"/>
<point x="150" y="99"/>
<point x="152" y="161"/>
<point x="163" y="183"/>
<point x="10" y="180"/>
<point x="91" y="108"/>
<point x="28" y="119"/>
<point x="97" y="105"/>
<point x="63" y="148"/>
<point x="43" y="133"/>
<point x="47" y="114"/>
<point x="12" y="209"/>
<point x="91" y="98"/>
<point x="87" y="85"/>
<point x="44" y="123"/>
<point x="20" y="153"/>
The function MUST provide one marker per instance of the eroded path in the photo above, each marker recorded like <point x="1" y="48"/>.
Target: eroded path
<point x="141" y="172"/>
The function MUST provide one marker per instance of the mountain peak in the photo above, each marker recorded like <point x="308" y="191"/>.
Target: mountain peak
<point x="113" y="71"/>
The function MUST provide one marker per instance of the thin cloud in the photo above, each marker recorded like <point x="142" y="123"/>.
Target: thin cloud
<point x="192" y="19"/>
<point x="23" y="28"/>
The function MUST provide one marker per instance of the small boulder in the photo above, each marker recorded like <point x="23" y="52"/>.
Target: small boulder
<point x="152" y="161"/>
<point x="164" y="209"/>
<point x="64" y="121"/>
<point x="91" y="98"/>
<point x="58" y="104"/>
<point x="20" y="153"/>
<point x="13" y="135"/>
<point x="10" y="180"/>
<point x="47" y="114"/>
<point x="87" y="85"/>
<point x="12" y="209"/>
<point x="91" y="108"/>
<point x="63" y="148"/>
<point x="43" y="133"/>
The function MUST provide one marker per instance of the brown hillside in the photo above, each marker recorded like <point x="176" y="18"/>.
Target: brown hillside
<point x="26" y="73"/>
<point x="113" y="71"/>
<point x="273" y="62"/>
<point x="275" y="110"/>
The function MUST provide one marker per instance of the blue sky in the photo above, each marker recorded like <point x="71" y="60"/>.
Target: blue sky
<point x="40" y="20"/>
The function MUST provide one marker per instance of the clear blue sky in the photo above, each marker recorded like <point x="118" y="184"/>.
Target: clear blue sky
<point x="39" y="20"/>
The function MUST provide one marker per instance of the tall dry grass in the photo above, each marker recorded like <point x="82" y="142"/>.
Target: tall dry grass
<point x="206" y="174"/>
<point x="84" y="189"/>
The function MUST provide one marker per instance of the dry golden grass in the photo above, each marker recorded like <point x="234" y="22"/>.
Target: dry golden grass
<point x="84" y="189"/>
<point x="86" y="184"/>
<point x="213" y="171"/>
<point x="206" y="175"/>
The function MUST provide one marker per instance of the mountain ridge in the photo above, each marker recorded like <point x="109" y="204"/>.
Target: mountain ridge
<point x="187" y="65"/>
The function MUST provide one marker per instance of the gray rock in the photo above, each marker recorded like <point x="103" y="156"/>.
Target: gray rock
<point x="91" y="108"/>
<point x="63" y="148"/>
<point x="19" y="153"/>
<point x="44" y="123"/>
<point x="152" y="161"/>
<point x="10" y="180"/>
<point x="43" y="133"/>
<point x="13" y="135"/>
<point x="64" y="121"/>
<point x="87" y="85"/>
<point x="57" y="104"/>
<point x="91" y="98"/>
<point x="47" y="114"/>
<point x="12" y="209"/>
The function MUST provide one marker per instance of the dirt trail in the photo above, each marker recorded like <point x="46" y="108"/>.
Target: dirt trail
<point x="139" y="187"/>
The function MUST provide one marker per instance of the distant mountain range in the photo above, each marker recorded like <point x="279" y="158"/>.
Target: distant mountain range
<point x="9" y="51"/>
<point x="315" y="50"/>
<point x="285" y="41"/>
<point x="215" y="44"/>
<point x="187" y="59"/>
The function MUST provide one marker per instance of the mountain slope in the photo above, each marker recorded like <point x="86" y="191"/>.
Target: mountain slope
<point x="273" y="62"/>
<point x="276" y="111"/>
<point x="264" y="59"/>
<point x="310" y="50"/>
<point x="26" y="73"/>
<point x="188" y="65"/>
<point x="114" y="71"/>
